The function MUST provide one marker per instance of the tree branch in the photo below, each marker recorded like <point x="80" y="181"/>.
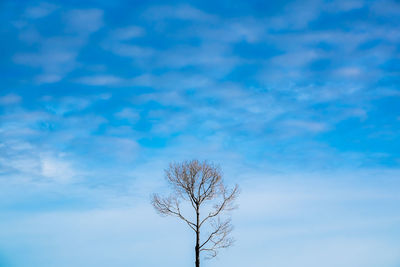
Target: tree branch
<point x="218" y="208"/>
<point x="221" y="230"/>
<point x="164" y="207"/>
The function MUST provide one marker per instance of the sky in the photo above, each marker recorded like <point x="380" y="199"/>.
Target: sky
<point x="297" y="101"/>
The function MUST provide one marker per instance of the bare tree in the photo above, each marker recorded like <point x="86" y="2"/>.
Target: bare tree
<point x="200" y="185"/>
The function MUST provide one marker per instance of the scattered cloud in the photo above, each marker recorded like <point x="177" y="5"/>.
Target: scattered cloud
<point x="335" y="6"/>
<point x="84" y="21"/>
<point x="40" y="11"/>
<point x="128" y="114"/>
<point x="180" y="12"/>
<point x="304" y="126"/>
<point x="57" y="55"/>
<point x="128" y="33"/>
<point x="386" y="8"/>
<point x="56" y="168"/>
<point x="101" y="80"/>
<point x="55" y="63"/>
<point x="296" y="15"/>
<point x="132" y="51"/>
<point x="67" y="104"/>
<point x="349" y="72"/>
<point x="10" y="99"/>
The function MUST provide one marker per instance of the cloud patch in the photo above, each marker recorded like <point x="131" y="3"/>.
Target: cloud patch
<point x="57" y="55"/>
<point x="40" y="11"/>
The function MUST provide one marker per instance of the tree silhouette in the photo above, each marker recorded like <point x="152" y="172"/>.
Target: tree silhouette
<point x="200" y="184"/>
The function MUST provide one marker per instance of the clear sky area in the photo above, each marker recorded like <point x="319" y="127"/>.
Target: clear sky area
<point x="297" y="101"/>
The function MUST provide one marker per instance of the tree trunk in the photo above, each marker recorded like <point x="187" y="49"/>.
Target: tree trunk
<point x="197" y="248"/>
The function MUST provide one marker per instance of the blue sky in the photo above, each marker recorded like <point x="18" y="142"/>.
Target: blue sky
<point x="298" y="101"/>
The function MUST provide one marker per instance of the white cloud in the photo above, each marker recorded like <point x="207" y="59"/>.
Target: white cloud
<point x="23" y="164"/>
<point x="126" y="50"/>
<point x="295" y="59"/>
<point x="84" y="21"/>
<point x="57" y="169"/>
<point x="298" y="126"/>
<point x="10" y="99"/>
<point x="30" y="35"/>
<point x="101" y="80"/>
<point x="166" y="124"/>
<point x="128" y="114"/>
<point x="67" y="104"/>
<point x="40" y="11"/>
<point x="47" y="60"/>
<point x="120" y="150"/>
<point x="117" y="43"/>
<point x="297" y="15"/>
<point x="215" y="59"/>
<point x="57" y="55"/>
<point x="56" y="58"/>
<point x="349" y="72"/>
<point x="229" y="31"/>
<point x="168" y="81"/>
<point x="182" y="12"/>
<point x="127" y="33"/>
<point x="48" y="78"/>
<point x="339" y="5"/>
<point x="387" y="8"/>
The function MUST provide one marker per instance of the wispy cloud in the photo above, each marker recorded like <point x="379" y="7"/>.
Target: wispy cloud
<point x="56" y="168"/>
<point x="10" y="99"/>
<point x="84" y="21"/>
<point x="57" y="55"/>
<point x="180" y="12"/>
<point x="306" y="126"/>
<point x="128" y="114"/>
<point x="100" y="80"/>
<point x="128" y="33"/>
<point x="40" y="11"/>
